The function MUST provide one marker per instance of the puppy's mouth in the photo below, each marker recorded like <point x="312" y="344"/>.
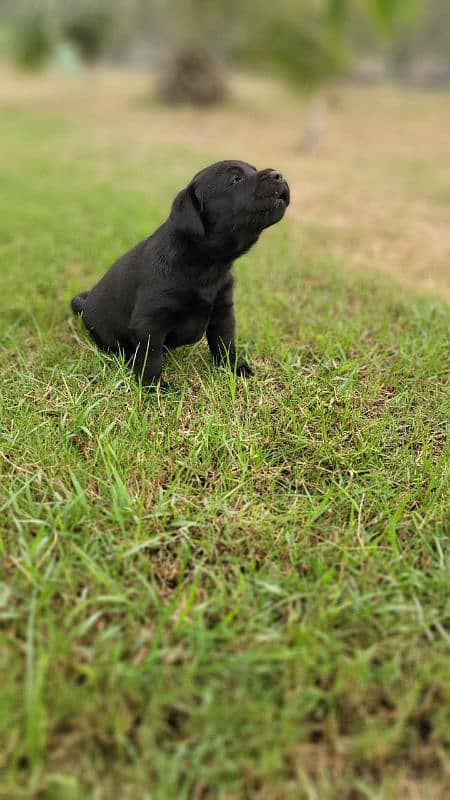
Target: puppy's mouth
<point x="282" y="197"/>
<point x="279" y="198"/>
<point x="276" y="202"/>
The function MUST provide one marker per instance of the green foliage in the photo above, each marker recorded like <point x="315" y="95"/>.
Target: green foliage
<point x="337" y="11"/>
<point x="383" y="13"/>
<point x="32" y="41"/>
<point x="303" y="53"/>
<point x="37" y="28"/>
<point x="88" y="26"/>
<point x="392" y="15"/>
<point x="310" y="43"/>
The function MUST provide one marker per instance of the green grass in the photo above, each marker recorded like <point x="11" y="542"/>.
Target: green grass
<point x="238" y="589"/>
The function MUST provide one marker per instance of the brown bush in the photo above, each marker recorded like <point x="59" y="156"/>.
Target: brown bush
<point x="192" y="76"/>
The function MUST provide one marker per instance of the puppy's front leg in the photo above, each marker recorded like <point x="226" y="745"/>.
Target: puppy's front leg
<point x="148" y="362"/>
<point x="149" y="351"/>
<point x="220" y="333"/>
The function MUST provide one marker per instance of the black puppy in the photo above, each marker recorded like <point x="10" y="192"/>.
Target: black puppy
<point x="176" y="285"/>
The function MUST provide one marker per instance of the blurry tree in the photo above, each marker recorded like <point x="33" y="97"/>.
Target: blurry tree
<point x="309" y="43"/>
<point x="31" y="40"/>
<point x="38" y="25"/>
<point x="310" y="47"/>
<point x="427" y="36"/>
<point x="305" y="43"/>
<point x="87" y="25"/>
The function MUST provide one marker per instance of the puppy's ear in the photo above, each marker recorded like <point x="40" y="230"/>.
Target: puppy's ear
<point x="186" y="213"/>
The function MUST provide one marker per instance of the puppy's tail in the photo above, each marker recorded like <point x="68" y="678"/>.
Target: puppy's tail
<point x="78" y="302"/>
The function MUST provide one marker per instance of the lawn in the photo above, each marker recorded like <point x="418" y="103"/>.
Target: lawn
<point x="237" y="589"/>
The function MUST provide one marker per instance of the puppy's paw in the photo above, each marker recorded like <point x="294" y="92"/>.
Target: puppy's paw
<point x="244" y="370"/>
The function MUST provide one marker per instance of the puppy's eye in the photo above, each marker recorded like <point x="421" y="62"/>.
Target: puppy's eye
<point x="237" y="178"/>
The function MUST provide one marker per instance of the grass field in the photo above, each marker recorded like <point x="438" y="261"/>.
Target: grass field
<point x="238" y="589"/>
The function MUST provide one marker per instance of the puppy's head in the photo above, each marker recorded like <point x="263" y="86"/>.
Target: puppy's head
<point x="227" y="205"/>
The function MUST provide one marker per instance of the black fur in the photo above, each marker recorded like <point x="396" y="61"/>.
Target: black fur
<point x="177" y="285"/>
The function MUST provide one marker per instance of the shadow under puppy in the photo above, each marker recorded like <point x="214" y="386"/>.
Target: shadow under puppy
<point x="177" y="285"/>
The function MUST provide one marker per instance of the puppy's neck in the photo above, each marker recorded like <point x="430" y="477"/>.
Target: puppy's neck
<point x="196" y="256"/>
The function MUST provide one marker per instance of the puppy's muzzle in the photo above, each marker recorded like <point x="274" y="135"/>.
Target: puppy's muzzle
<point x="273" y="184"/>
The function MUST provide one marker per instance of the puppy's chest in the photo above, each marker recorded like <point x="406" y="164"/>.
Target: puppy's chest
<point x="193" y="317"/>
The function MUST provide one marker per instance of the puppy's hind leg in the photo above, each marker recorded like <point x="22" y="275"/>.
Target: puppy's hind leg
<point x="77" y="302"/>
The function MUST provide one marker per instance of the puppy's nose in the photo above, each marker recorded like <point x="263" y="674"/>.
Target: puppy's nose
<point x="275" y="175"/>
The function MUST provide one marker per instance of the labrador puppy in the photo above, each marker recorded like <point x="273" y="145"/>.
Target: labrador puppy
<point x="177" y="285"/>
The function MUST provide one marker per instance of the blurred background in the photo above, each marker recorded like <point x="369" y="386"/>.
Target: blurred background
<point x="349" y="97"/>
